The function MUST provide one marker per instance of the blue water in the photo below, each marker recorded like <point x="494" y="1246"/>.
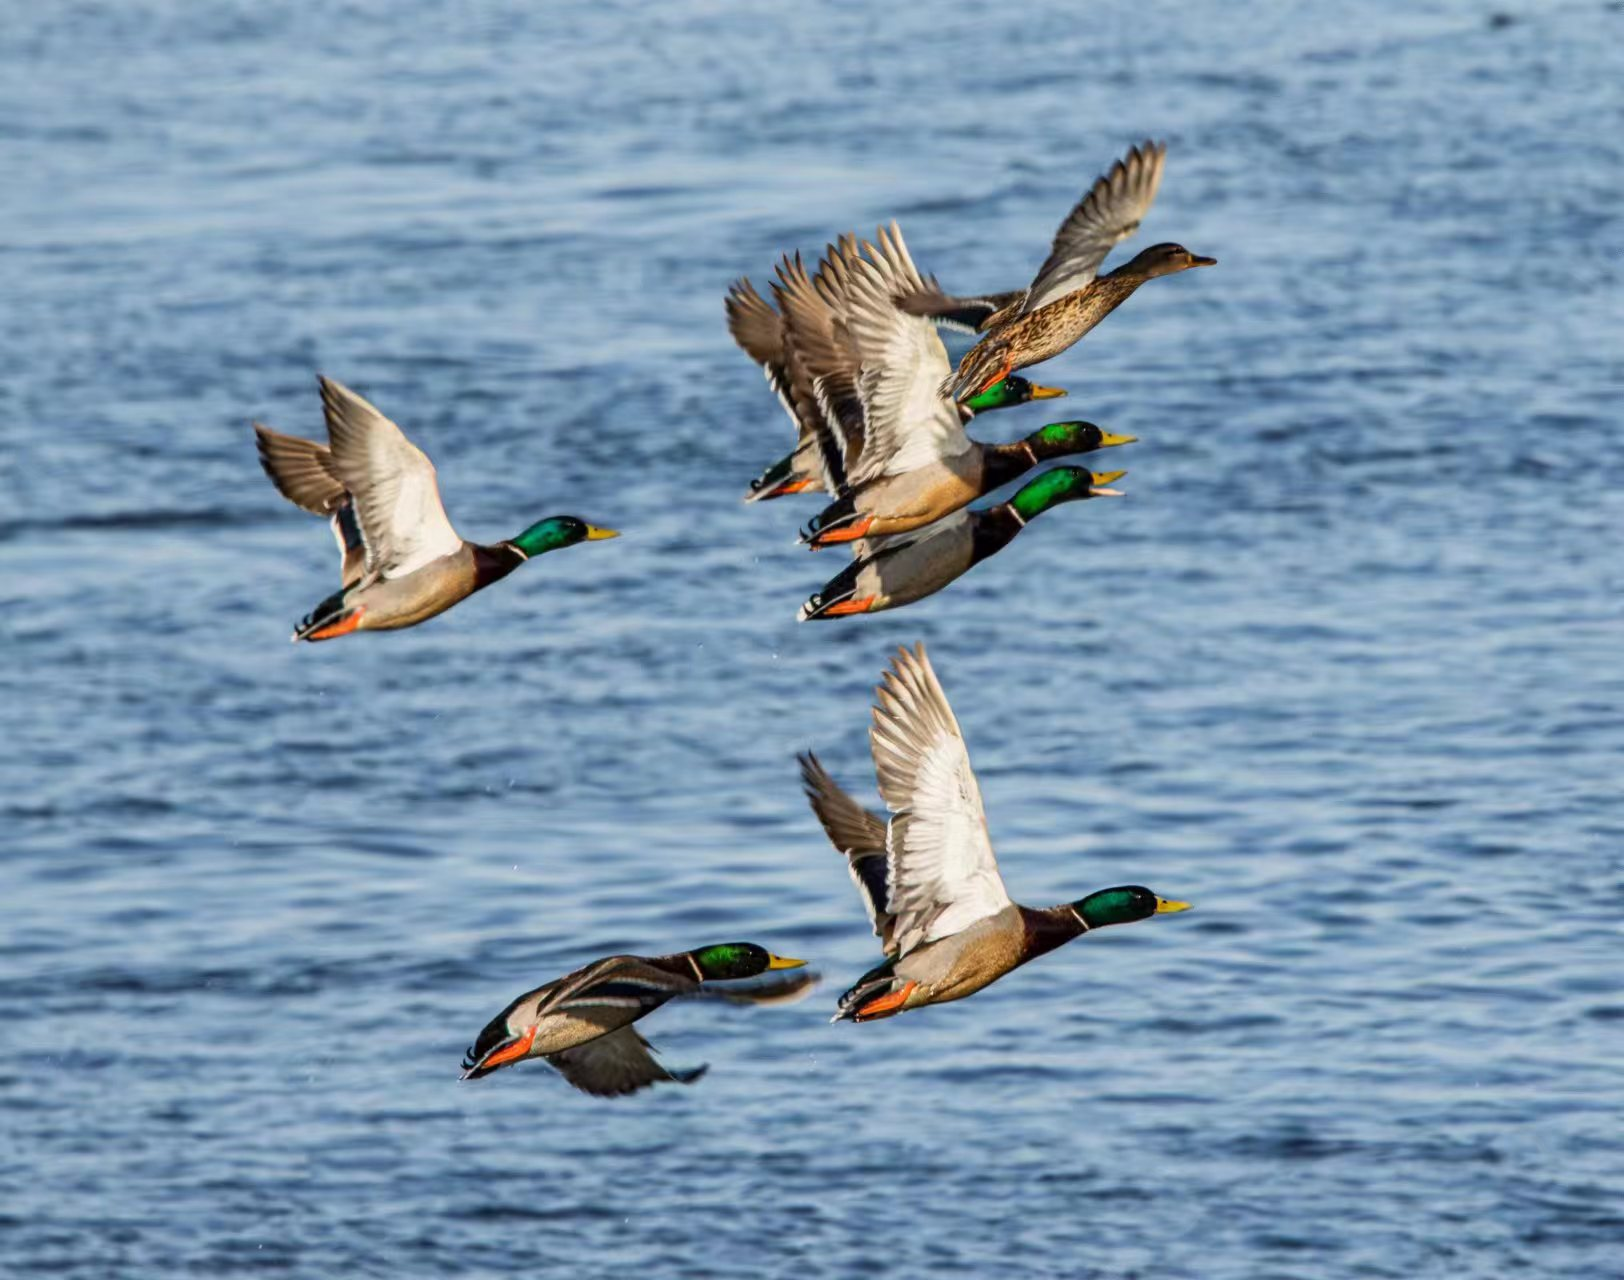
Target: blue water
<point x="1343" y="668"/>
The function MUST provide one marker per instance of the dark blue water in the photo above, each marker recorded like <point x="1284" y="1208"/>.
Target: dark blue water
<point x="1344" y="668"/>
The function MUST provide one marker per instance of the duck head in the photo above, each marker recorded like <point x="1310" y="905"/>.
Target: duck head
<point x="555" y="532"/>
<point x="1164" y="260"/>
<point x="1012" y="390"/>
<point x="1059" y="439"/>
<point x="725" y="961"/>
<point x="1123" y="905"/>
<point x="1062" y="484"/>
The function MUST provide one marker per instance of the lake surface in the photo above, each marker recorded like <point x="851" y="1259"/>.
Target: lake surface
<point x="1344" y="668"/>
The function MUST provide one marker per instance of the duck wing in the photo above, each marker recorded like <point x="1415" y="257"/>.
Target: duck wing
<point x="301" y="470"/>
<point x="860" y="835"/>
<point x="943" y="875"/>
<point x="304" y="474"/>
<point x="759" y="331"/>
<point x="965" y="312"/>
<point x="1110" y="213"/>
<point x="619" y="1063"/>
<point x="396" y="491"/>
<point x="821" y="361"/>
<point x="909" y="424"/>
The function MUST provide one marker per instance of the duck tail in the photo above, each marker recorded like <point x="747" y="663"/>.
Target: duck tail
<point x="838" y="591"/>
<point x="983" y="364"/>
<point x="332" y="618"/>
<point x="874" y="985"/>
<point x="776" y="481"/>
<point x="836" y="516"/>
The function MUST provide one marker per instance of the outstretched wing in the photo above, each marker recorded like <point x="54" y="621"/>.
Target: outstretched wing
<point x="966" y="312"/>
<point x="943" y="875"/>
<point x="619" y="1063"/>
<point x="860" y="835"/>
<point x="758" y="330"/>
<point x="1110" y="213"/>
<point x="397" y="495"/>
<point x="301" y="470"/>
<point x="909" y="424"/>
<point x="303" y="473"/>
<point x="821" y="361"/>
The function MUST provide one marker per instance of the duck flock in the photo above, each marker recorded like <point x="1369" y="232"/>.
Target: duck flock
<point x="852" y="351"/>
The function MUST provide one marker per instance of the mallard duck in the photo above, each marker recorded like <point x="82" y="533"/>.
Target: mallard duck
<point x="808" y="362"/>
<point x="887" y="573"/>
<point x="927" y="875"/>
<point x="1068" y="297"/>
<point x="402" y="562"/>
<point x="582" y="1023"/>
<point x="912" y="462"/>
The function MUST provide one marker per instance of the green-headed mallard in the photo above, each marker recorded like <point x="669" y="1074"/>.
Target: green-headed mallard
<point x="912" y="462"/>
<point x="928" y="875"/>
<point x="582" y="1023"/>
<point x="402" y="561"/>
<point x="807" y="359"/>
<point x="1068" y="296"/>
<point x="887" y="573"/>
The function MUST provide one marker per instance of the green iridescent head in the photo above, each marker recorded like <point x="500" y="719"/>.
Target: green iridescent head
<point x="555" y="532"/>
<point x="1062" y="484"/>
<point x="1012" y="390"/>
<point x="1123" y="905"/>
<point x="1059" y="439"/>
<point x="728" y="960"/>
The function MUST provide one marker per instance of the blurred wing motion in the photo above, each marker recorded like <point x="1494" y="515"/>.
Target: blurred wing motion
<point x="619" y="1063"/>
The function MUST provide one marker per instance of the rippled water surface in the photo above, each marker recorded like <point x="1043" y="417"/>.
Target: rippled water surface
<point x="1344" y="668"/>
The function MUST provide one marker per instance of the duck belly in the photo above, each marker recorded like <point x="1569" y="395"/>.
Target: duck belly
<point x="905" y="503"/>
<point x="560" y="1031"/>
<point x="393" y="603"/>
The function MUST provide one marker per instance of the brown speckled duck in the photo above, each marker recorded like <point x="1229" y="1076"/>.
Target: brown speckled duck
<point x="927" y="874"/>
<point x="1068" y="296"/>
<point x="402" y="562"/>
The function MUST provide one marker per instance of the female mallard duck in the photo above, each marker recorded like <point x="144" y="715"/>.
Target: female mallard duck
<point x="928" y="875"/>
<point x="1068" y="297"/>
<point x="887" y="573"/>
<point x="806" y="359"/>
<point x="913" y="462"/>
<point x="582" y="1023"/>
<point x="402" y="561"/>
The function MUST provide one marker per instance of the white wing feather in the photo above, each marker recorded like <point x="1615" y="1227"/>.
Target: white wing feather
<point x="942" y="872"/>
<point x="397" y="495"/>
<point x="909" y="424"/>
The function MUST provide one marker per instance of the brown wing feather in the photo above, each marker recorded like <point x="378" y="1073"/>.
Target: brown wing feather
<point x="860" y="835"/>
<point x="301" y="470"/>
